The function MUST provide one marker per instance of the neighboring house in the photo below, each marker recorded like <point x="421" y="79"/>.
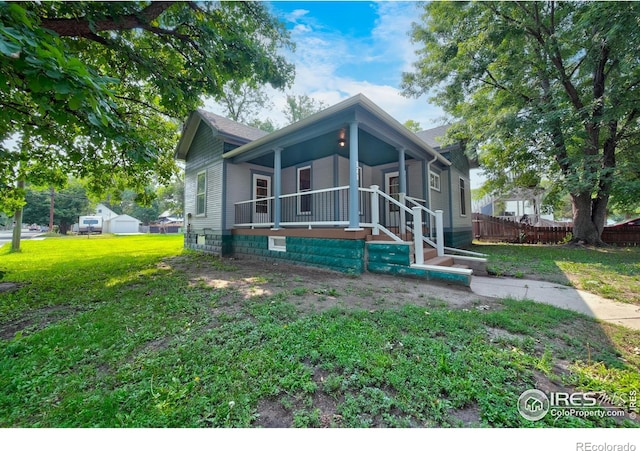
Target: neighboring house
<point x="115" y="223"/>
<point x="519" y="205"/>
<point x="167" y="223"/>
<point x="341" y="189"/>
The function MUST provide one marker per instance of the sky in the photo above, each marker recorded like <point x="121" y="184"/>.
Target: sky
<point x="348" y="47"/>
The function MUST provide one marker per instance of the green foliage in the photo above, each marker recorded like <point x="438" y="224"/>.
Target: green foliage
<point x="69" y="203"/>
<point x="544" y="89"/>
<point x="413" y="125"/>
<point x="301" y="106"/>
<point x="242" y="101"/>
<point x="95" y="89"/>
<point x="263" y="124"/>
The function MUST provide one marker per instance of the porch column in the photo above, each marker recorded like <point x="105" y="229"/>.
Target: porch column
<point x="277" y="186"/>
<point x="354" y="215"/>
<point x="402" y="190"/>
<point x="402" y="173"/>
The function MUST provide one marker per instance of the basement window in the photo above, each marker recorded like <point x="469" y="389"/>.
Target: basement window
<point x="278" y="243"/>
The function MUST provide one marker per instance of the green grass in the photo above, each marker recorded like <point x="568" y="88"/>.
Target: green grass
<point x="108" y="336"/>
<point x="610" y="272"/>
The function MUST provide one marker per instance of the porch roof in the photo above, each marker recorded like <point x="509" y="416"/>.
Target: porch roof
<point x="380" y="137"/>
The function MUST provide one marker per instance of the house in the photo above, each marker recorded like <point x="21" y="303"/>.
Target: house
<point x="115" y="223"/>
<point x="167" y="223"/>
<point x="348" y="188"/>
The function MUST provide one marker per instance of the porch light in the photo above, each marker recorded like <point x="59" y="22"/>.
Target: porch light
<point x="341" y="142"/>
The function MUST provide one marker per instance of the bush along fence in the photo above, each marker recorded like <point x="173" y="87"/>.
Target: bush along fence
<point x="489" y="228"/>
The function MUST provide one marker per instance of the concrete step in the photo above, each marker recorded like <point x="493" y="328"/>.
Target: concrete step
<point x="460" y="266"/>
<point x="440" y="261"/>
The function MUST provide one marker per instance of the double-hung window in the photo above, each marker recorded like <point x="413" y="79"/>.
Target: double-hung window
<point x="304" y="185"/>
<point x="463" y="197"/>
<point x="434" y="181"/>
<point x="201" y="194"/>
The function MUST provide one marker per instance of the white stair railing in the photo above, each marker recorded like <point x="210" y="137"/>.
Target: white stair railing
<point x="416" y="213"/>
<point x="437" y="219"/>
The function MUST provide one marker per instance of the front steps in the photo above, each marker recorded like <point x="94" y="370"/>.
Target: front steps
<point x="398" y="258"/>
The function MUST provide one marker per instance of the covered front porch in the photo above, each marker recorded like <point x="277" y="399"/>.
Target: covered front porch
<point x="352" y="169"/>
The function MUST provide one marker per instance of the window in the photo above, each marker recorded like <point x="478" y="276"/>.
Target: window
<point x="463" y="198"/>
<point x="304" y="185"/>
<point x="278" y="243"/>
<point x="201" y="194"/>
<point x="393" y="189"/>
<point x="262" y="192"/>
<point x="434" y="181"/>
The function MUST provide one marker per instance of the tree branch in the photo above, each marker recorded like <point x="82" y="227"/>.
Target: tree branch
<point x="83" y="27"/>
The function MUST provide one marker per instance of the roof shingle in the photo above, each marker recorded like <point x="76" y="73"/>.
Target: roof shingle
<point x="231" y="128"/>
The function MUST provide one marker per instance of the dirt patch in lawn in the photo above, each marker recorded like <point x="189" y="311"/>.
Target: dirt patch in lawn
<point x="314" y="290"/>
<point x="35" y="320"/>
<point x="9" y="287"/>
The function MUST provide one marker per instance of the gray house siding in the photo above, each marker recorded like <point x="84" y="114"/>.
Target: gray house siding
<point x="239" y="181"/>
<point x="205" y="155"/>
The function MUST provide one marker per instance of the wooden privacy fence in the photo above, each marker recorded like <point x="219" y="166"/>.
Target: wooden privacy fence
<point x="489" y="228"/>
<point x="622" y="236"/>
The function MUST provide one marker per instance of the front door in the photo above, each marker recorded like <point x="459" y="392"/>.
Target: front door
<point x="392" y="188"/>
<point x="261" y="190"/>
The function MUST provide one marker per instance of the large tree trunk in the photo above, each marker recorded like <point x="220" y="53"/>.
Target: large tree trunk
<point x="17" y="224"/>
<point x="588" y="219"/>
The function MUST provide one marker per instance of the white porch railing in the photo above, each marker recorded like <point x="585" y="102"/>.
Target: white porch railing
<point x="330" y="208"/>
<point x="319" y="208"/>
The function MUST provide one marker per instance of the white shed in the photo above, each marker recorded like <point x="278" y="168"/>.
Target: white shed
<point x="122" y="224"/>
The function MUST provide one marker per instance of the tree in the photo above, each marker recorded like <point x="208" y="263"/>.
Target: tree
<point x="544" y="88"/>
<point x="412" y="125"/>
<point x="301" y="106"/>
<point x="95" y="88"/>
<point x="71" y="202"/>
<point x="243" y="101"/>
<point x="171" y="197"/>
<point x="266" y="125"/>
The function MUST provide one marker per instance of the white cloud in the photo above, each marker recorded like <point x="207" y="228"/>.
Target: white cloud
<point x="296" y="14"/>
<point x="327" y="70"/>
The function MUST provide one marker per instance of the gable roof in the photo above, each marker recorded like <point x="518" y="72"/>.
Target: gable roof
<point x="230" y="128"/>
<point x="358" y="108"/>
<point x="433" y="136"/>
<point x="232" y="131"/>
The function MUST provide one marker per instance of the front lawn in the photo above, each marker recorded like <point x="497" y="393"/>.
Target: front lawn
<point x="610" y="272"/>
<point x="135" y="332"/>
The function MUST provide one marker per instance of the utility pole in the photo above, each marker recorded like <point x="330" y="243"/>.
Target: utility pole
<point x="53" y="195"/>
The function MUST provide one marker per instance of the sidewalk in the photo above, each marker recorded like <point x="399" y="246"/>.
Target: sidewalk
<point x="627" y="315"/>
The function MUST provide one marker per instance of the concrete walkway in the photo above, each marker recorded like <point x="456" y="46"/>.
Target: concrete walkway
<point x="627" y="315"/>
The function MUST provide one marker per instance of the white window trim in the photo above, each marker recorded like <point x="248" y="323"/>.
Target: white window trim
<point x="299" y="202"/>
<point x="387" y="187"/>
<point x="361" y="199"/>
<point x="437" y="181"/>
<point x="204" y="193"/>
<point x="466" y="193"/>
<point x="278" y="243"/>
<point x="256" y="177"/>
